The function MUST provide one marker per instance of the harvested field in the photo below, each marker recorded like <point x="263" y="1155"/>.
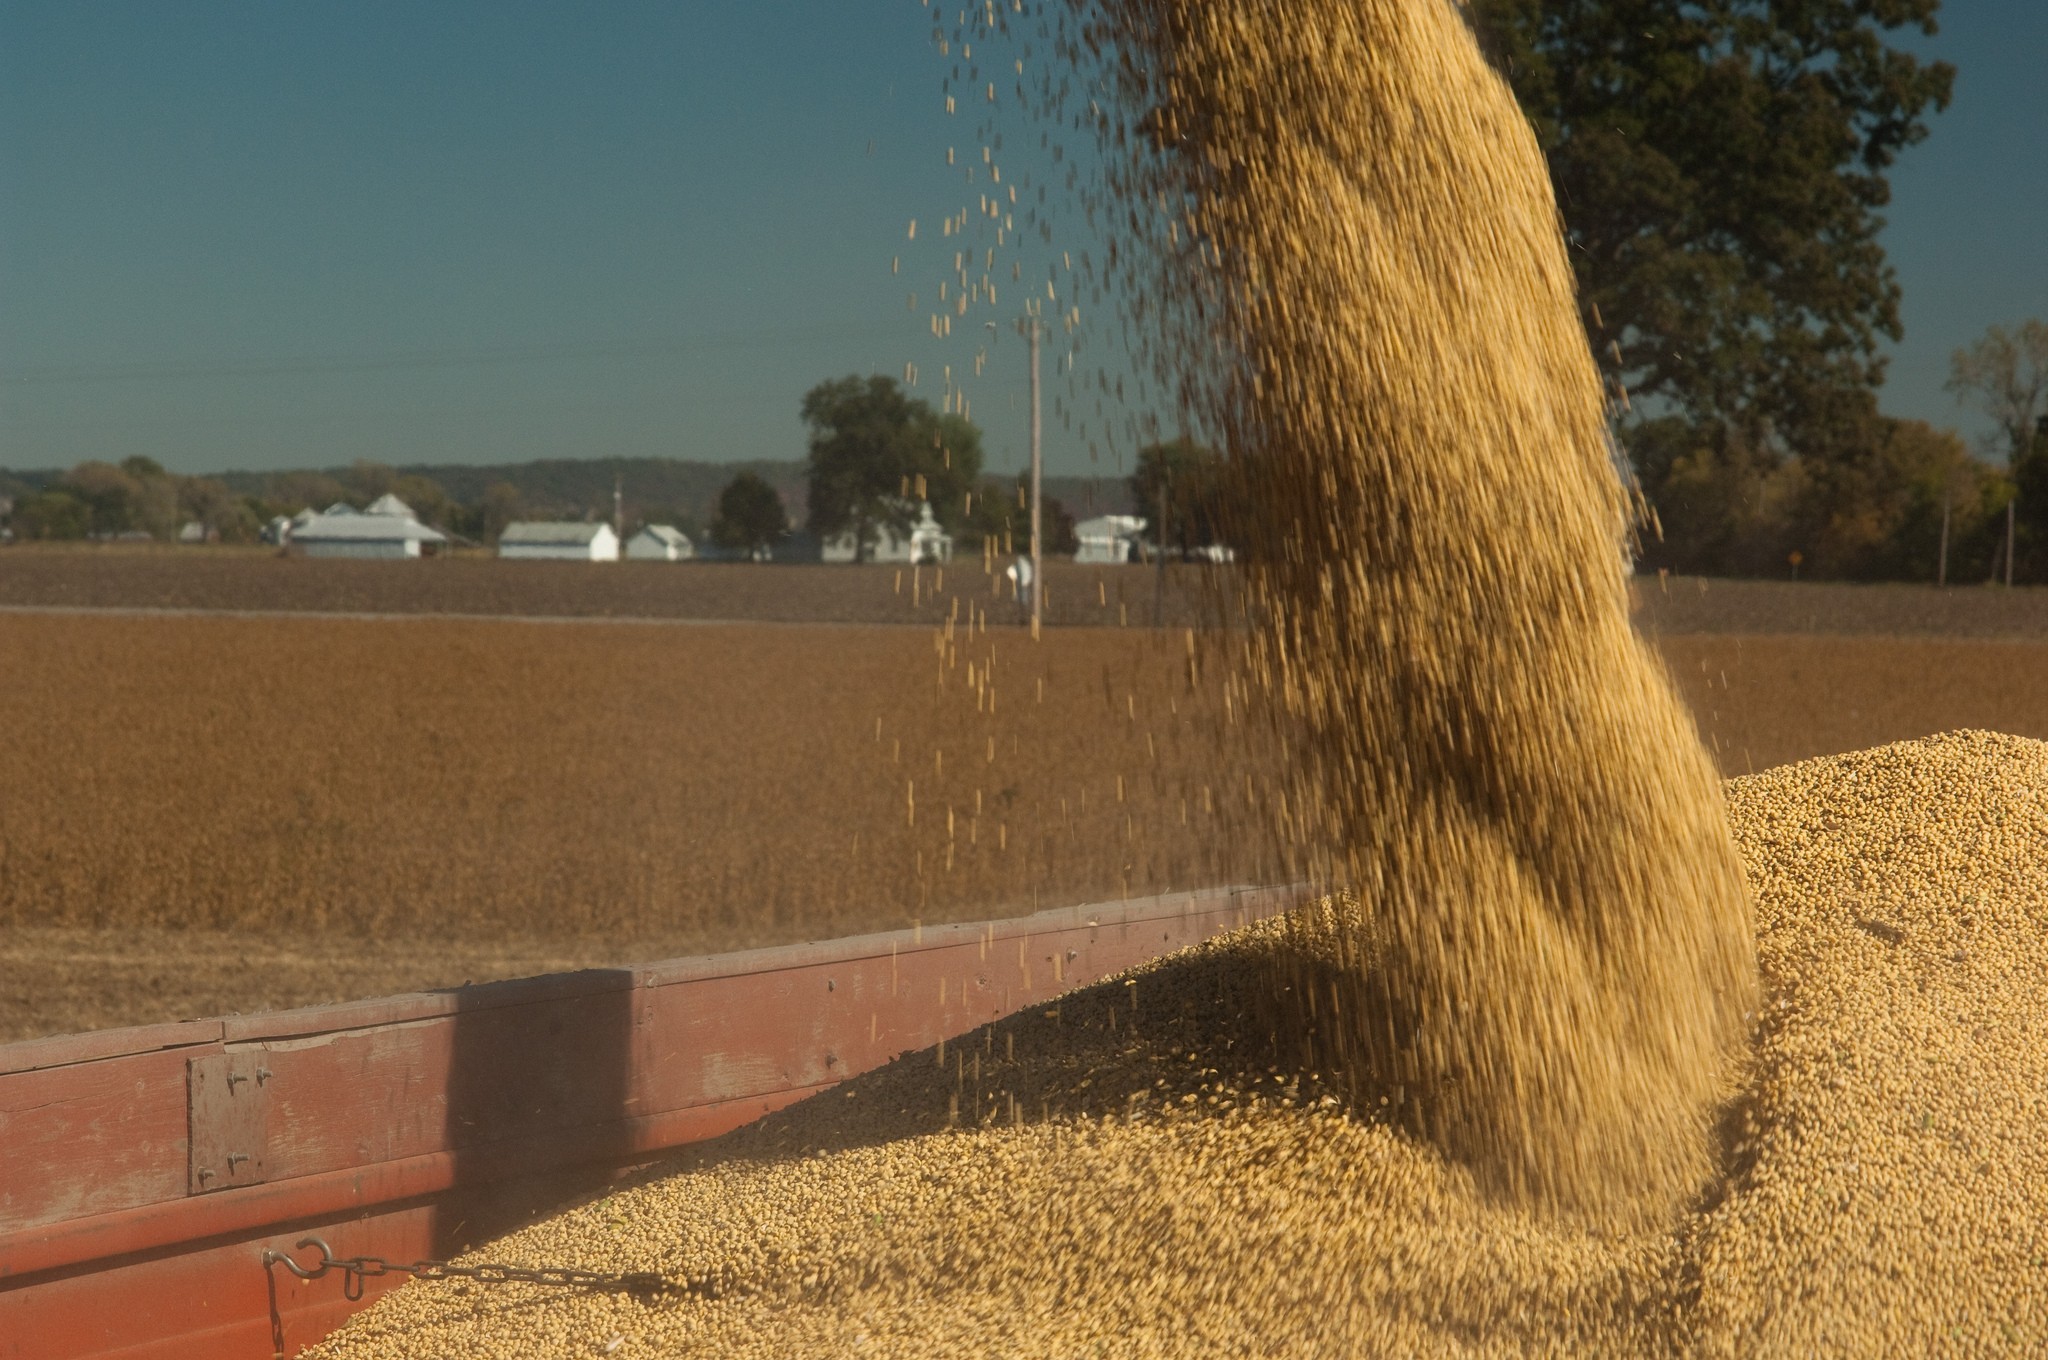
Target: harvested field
<point x="1685" y="605"/>
<point x="1129" y="1172"/>
<point x="212" y="815"/>
<point x="71" y="979"/>
<point x="243" y="581"/>
<point x="240" y="580"/>
<point x="1764" y="701"/>
<point x="593" y="793"/>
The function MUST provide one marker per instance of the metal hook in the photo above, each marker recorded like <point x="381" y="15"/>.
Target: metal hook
<point x="279" y="1258"/>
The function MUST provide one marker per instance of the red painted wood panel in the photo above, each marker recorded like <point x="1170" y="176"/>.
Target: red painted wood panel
<point x="213" y="1303"/>
<point x="92" y="1137"/>
<point x="376" y="1113"/>
<point x="64" y="1049"/>
<point x="135" y="1233"/>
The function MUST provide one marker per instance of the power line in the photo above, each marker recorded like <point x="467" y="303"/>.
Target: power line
<point x="426" y="358"/>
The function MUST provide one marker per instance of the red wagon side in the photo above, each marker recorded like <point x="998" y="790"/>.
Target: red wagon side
<point x="145" y="1172"/>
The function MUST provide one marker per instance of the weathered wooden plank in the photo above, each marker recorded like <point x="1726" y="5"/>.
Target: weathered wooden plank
<point x="386" y="1010"/>
<point x="355" y="1097"/>
<point x="93" y="1138"/>
<point x="209" y="1304"/>
<point x="130" y="1235"/>
<point x="396" y="1090"/>
<point x="29" y="1055"/>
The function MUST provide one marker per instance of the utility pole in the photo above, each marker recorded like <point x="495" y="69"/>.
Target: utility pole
<point x="2008" y="540"/>
<point x="1941" y="563"/>
<point x="1159" y="558"/>
<point x="619" y="507"/>
<point x="1037" y="493"/>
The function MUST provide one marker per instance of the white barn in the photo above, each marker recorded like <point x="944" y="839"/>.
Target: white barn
<point x="926" y="542"/>
<point x="660" y="543"/>
<point x="1109" y="538"/>
<point x="353" y="534"/>
<point x="562" y="542"/>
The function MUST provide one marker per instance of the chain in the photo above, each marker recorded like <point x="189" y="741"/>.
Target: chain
<point x="358" y="1270"/>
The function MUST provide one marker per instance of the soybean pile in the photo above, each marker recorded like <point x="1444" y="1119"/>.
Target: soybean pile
<point x="1133" y="1171"/>
<point x="1478" y="748"/>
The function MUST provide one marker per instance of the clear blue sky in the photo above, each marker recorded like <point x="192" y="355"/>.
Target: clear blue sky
<point x="260" y="235"/>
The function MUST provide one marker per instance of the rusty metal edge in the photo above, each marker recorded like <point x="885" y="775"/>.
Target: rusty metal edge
<point x="109" y="1238"/>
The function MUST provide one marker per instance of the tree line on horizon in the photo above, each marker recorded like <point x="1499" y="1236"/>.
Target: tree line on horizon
<point x="138" y="499"/>
<point x="1912" y="504"/>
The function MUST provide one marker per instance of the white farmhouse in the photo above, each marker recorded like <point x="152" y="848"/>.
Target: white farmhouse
<point x="564" y="542"/>
<point x="388" y="504"/>
<point x="350" y="533"/>
<point x="1109" y="538"/>
<point x="926" y="542"/>
<point x="660" y="543"/>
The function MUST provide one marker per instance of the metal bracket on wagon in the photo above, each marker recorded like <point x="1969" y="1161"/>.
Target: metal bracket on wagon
<point x="355" y="1270"/>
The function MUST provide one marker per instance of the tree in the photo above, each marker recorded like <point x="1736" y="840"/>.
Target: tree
<point x="110" y="495"/>
<point x="425" y="496"/>
<point x="1904" y="509"/>
<point x="876" y="453"/>
<point x="50" y="514"/>
<point x="750" y="516"/>
<point x="1906" y="502"/>
<point x="945" y="464"/>
<point x="233" y="518"/>
<point x="501" y="505"/>
<point x="1722" y="508"/>
<point x="1060" y="538"/>
<point x="368" y="479"/>
<point x="1178" y="486"/>
<point x="1719" y="166"/>
<point x="1000" y="517"/>
<point x="2006" y="375"/>
<point x="306" y="490"/>
<point x="155" y="509"/>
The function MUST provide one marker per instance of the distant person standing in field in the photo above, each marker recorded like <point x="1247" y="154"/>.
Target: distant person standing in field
<point x="1020" y="573"/>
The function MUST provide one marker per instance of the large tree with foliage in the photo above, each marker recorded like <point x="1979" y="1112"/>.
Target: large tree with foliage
<point x="1000" y="518"/>
<point x="876" y="453"/>
<point x="2005" y="374"/>
<point x="1179" y="488"/>
<point x="1719" y="167"/>
<point x="750" y="516"/>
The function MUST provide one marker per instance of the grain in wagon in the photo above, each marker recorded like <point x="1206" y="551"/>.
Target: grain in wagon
<point x="1134" y="1170"/>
